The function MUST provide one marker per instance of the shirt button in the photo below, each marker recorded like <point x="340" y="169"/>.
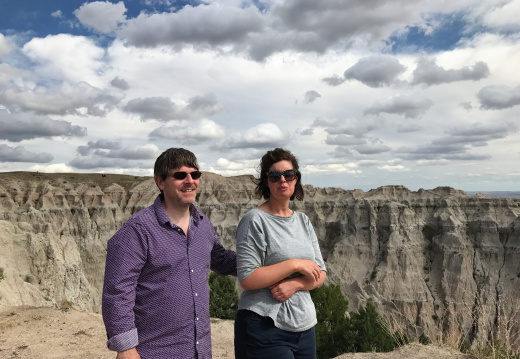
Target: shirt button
<point x="197" y="342"/>
<point x="197" y="318"/>
<point x="196" y="294"/>
<point x="191" y="271"/>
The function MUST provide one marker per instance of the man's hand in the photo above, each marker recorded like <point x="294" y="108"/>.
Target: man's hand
<point x="128" y="354"/>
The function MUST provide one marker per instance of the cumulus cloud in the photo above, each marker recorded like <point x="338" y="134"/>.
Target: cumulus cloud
<point x="350" y="168"/>
<point x="120" y="83"/>
<point x="429" y="73"/>
<point x="190" y="133"/>
<point x="65" y="57"/>
<point x="344" y="140"/>
<point x="102" y="16"/>
<point x="347" y="127"/>
<point x="303" y="26"/>
<point x="52" y="168"/>
<point x="57" y="14"/>
<point x="164" y="109"/>
<point x="264" y="135"/>
<point x="204" y="25"/>
<point x="432" y="152"/>
<point x="311" y="96"/>
<point x="89" y="163"/>
<point x="499" y="97"/>
<point x="477" y="134"/>
<point x="404" y="105"/>
<point x="458" y="143"/>
<point x="20" y="154"/>
<point x="375" y="71"/>
<point x="393" y="168"/>
<point x="68" y="99"/>
<point x="9" y="74"/>
<point x="101" y="144"/>
<point x="147" y="152"/>
<point x="109" y="155"/>
<point x="16" y="128"/>
<point x="5" y="47"/>
<point x="373" y="147"/>
<point x="363" y="146"/>
<point x="504" y="17"/>
<point x="334" y="80"/>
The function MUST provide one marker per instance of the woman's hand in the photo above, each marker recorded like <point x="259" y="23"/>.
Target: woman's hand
<point x="284" y="289"/>
<point x="263" y="277"/>
<point x="308" y="268"/>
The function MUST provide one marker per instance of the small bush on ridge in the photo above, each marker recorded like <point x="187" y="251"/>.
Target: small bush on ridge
<point x="223" y="296"/>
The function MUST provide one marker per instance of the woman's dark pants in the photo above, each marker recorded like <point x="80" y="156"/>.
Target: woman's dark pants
<point x="256" y="337"/>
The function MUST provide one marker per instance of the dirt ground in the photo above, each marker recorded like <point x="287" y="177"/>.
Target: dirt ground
<point x="45" y="333"/>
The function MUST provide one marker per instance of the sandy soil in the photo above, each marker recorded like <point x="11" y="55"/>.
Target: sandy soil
<point x="45" y="333"/>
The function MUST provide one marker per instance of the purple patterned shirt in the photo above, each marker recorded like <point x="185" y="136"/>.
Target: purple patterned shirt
<point x="155" y="294"/>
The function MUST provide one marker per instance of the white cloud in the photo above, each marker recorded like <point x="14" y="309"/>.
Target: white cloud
<point x="504" y="17"/>
<point x="190" y="132"/>
<point x="393" y="168"/>
<point x="264" y="135"/>
<point x="54" y="168"/>
<point x="57" y="14"/>
<point x="5" y="47"/>
<point x="66" y="57"/>
<point x="351" y="168"/>
<point x="187" y="79"/>
<point x="409" y="106"/>
<point x="10" y="74"/>
<point x="66" y="99"/>
<point x="102" y="16"/>
<point x="499" y="97"/>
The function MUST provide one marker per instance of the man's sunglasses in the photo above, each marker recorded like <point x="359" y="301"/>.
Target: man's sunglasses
<point x="275" y="176"/>
<point x="182" y="175"/>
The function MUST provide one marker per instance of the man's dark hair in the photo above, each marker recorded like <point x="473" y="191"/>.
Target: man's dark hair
<point x="173" y="158"/>
<point x="270" y="158"/>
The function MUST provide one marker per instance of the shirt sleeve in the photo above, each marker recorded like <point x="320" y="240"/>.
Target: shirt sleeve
<point x="318" y="258"/>
<point x="251" y="246"/>
<point x="126" y="255"/>
<point x="223" y="261"/>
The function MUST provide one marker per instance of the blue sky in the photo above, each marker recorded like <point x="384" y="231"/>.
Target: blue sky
<point x="365" y="94"/>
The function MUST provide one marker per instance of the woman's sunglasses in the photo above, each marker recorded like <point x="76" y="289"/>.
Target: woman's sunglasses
<point x="275" y="176"/>
<point x="182" y="175"/>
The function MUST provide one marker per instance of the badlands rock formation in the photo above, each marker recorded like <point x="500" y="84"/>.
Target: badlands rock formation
<point x="435" y="262"/>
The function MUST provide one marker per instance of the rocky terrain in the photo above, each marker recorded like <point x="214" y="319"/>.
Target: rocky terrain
<point x="436" y="262"/>
<point x="49" y="333"/>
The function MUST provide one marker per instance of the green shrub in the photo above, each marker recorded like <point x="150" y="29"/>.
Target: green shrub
<point x="369" y="332"/>
<point x="362" y="331"/>
<point x="331" y="312"/>
<point x="1" y="274"/>
<point x="223" y="296"/>
<point x="424" y="339"/>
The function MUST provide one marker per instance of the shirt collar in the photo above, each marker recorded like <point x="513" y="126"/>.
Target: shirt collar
<point x="195" y="214"/>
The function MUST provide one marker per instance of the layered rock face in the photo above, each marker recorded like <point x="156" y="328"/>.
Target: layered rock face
<point x="437" y="262"/>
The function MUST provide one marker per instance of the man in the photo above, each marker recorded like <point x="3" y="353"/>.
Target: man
<point x="155" y="295"/>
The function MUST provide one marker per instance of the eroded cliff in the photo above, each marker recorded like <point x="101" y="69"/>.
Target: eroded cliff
<point x="438" y="262"/>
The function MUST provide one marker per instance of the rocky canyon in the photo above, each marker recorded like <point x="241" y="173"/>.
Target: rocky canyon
<point x="437" y="262"/>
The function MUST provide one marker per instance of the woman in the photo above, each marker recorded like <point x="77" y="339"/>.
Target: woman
<point x="278" y="262"/>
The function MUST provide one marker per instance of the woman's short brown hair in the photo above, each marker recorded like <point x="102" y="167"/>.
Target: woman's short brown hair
<point x="270" y="158"/>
